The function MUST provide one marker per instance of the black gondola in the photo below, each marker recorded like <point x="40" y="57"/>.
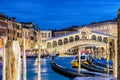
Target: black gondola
<point x="70" y="73"/>
<point x="99" y="65"/>
<point x="92" y="68"/>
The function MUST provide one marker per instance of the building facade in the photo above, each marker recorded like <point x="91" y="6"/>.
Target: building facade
<point x="12" y="30"/>
<point x="62" y="33"/>
<point x="3" y="29"/>
<point x="45" y="34"/>
<point x="29" y="34"/>
<point x="107" y="27"/>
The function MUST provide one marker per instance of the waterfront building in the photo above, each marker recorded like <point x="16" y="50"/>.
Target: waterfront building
<point x="65" y="31"/>
<point x="107" y="27"/>
<point x="19" y="33"/>
<point x="45" y="34"/>
<point x="62" y="32"/>
<point x="12" y="30"/>
<point x="30" y="35"/>
<point x="3" y="28"/>
<point x="9" y="30"/>
<point x="27" y="38"/>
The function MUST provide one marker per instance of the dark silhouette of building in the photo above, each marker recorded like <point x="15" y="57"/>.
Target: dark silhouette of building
<point x="118" y="45"/>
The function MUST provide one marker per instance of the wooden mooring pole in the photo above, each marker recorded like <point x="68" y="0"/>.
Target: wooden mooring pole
<point x="39" y="70"/>
<point x="24" y="60"/>
<point x="4" y="61"/>
<point x="13" y="61"/>
<point x="79" y="59"/>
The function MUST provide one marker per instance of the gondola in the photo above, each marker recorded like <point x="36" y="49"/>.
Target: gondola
<point x="99" y="65"/>
<point x="93" y="68"/>
<point x="85" y="64"/>
<point x="70" y="73"/>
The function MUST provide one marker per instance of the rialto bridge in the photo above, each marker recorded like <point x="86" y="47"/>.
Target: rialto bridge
<point x="84" y="36"/>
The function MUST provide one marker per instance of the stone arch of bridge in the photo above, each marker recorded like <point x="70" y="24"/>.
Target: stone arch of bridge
<point x="64" y="41"/>
<point x="64" y="48"/>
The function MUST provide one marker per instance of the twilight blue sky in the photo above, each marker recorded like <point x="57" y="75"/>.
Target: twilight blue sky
<point x="51" y="14"/>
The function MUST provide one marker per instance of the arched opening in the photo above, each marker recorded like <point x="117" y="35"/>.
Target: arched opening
<point x="48" y="45"/>
<point x="60" y="42"/>
<point x="54" y="43"/>
<point x="94" y="37"/>
<point x="105" y="40"/>
<point x="77" y="38"/>
<point x="65" y="41"/>
<point x="100" y="38"/>
<point x="71" y="39"/>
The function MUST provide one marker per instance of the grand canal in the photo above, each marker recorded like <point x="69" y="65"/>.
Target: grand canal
<point x="46" y="72"/>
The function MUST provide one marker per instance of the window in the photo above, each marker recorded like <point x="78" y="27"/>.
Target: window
<point x="48" y="44"/>
<point x="20" y="35"/>
<point x="17" y="34"/>
<point x="45" y="35"/>
<point x="32" y="38"/>
<point x="49" y="35"/>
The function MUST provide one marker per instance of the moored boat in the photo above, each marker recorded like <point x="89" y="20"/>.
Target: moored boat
<point x="88" y="64"/>
<point x="75" y="63"/>
<point x="70" y="73"/>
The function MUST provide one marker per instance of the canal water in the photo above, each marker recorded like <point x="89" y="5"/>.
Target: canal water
<point x="47" y="73"/>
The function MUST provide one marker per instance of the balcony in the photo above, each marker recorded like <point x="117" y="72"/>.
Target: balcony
<point x="3" y="25"/>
